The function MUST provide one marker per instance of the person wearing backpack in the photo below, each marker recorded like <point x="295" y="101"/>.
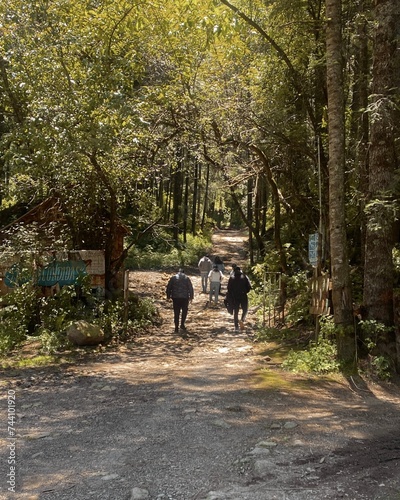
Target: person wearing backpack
<point x="237" y="289"/>
<point x="180" y="291"/>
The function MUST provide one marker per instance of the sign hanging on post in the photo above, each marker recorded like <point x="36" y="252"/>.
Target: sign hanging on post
<point x="313" y="249"/>
<point x="320" y="288"/>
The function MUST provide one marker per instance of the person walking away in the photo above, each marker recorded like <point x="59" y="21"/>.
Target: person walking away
<point x="237" y="289"/>
<point x="215" y="277"/>
<point x="218" y="262"/>
<point x="180" y="290"/>
<point x="232" y="273"/>
<point x="205" y="266"/>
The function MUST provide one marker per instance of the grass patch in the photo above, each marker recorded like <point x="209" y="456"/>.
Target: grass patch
<point x="276" y="380"/>
<point x="39" y="360"/>
<point x="276" y="351"/>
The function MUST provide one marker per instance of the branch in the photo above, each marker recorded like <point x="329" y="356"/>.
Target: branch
<point x="296" y="79"/>
<point x="117" y="263"/>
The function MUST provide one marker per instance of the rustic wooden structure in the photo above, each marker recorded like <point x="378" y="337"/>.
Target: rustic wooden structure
<point x="60" y="266"/>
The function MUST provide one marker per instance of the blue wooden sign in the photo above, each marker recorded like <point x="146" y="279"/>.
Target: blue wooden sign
<point x="16" y="276"/>
<point x="63" y="273"/>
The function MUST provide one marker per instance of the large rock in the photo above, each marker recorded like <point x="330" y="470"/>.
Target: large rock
<point x="84" y="333"/>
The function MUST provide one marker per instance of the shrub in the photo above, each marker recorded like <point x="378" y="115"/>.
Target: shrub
<point x="152" y="256"/>
<point x="25" y="314"/>
<point x="296" y="290"/>
<point x="373" y="332"/>
<point x="320" y="357"/>
<point x="18" y="316"/>
<point x="141" y="313"/>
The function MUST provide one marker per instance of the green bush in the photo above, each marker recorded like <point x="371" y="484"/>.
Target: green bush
<point x="373" y="332"/>
<point x="320" y="357"/>
<point x="270" y="334"/>
<point x="18" y="316"/>
<point x="298" y="299"/>
<point x="57" y="313"/>
<point x="154" y="256"/>
<point x="297" y="295"/>
<point x="26" y="314"/>
<point x="118" y="325"/>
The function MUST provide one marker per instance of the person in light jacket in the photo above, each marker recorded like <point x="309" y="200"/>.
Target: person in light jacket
<point x="180" y="291"/>
<point x="215" y="277"/>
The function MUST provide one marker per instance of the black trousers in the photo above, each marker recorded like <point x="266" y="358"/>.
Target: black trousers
<point x="181" y="307"/>
<point x="243" y="303"/>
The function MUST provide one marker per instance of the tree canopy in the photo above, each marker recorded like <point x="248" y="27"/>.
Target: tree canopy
<point x="193" y="113"/>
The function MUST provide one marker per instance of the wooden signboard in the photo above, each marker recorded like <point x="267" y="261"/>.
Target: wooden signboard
<point x="320" y="287"/>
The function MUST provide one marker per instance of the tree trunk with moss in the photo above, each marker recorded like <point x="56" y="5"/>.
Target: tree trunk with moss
<point x="341" y="287"/>
<point x="383" y="161"/>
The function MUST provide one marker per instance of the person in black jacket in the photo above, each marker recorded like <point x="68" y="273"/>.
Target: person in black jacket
<point x="238" y="287"/>
<point x="180" y="290"/>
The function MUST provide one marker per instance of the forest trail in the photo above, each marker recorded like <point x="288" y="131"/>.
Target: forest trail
<point x="206" y="417"/>
<point x="202" y="320"/>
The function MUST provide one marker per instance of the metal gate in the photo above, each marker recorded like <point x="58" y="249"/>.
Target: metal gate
<point x="273" y="300"/>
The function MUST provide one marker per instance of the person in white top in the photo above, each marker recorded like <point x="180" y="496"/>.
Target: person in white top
<point x="215" y="277"/>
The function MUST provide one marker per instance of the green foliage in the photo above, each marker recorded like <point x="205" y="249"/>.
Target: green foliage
<point x="25" y="315"/>
<point x="57" y="313"/>
<point x="268" y="334"/>
<point x="120" y="325"/>
<point x="298" y="299"/>
<point x="372" y="332"/>
<point x="382" y="367"/>
<point x="320" y="357"/>
<point x="296" y="290"/>
<point x="327" y="327"/>
<point x="97" y="96"/>
<point x="155" y="255"/>
<point x="18" y="316"/>
<point x="396" y="264"/>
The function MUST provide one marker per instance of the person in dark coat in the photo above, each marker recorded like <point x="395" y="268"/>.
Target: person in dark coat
<point x="232" y="273"/>
<point x="180" y="290"/>
<point x="218" y="262"/>
<point x="238" y="287"/>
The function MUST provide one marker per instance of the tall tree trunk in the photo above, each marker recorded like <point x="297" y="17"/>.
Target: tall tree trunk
<point x="341" y="288"/>
<point x="264" y="205"/>
<point x="185" y="209"/>
<point x="195" y="196"/>
<point x="250" y="216"/>
<point x="360" y="122"/>
<point x="378" y="274"/>
<point x="206" y="194"/>
<point x="177" y="201"/>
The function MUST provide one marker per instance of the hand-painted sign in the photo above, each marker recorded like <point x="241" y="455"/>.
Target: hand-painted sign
<point x="320" y="288"/>
<point x="63" y="273"/>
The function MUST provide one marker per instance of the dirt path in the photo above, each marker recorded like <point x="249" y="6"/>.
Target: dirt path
<point x="202" y="418"/>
